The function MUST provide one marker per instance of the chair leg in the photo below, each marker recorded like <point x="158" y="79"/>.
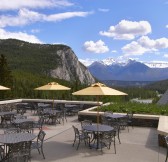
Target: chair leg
<point x="42" y="153"/>
<point x="114" y="147"/>
<point x="78" y="145"/>
<point x="166" y="155"/>
<point x="74" y="142"/>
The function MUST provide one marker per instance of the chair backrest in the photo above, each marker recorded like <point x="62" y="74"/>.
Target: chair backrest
<point x="104" y="120"/>
<point x="76" y="131"/>
<point x="8" y="117"/>
<point x="40" y="137"/>
<point x="108" y="136"/>
<point x="166" y="140"/>
<point x="41" y="120"/>
<point x="27" y="127"/>
<point x="86" y="123"/>
<point x="130" y="115"/>
<point x="20" y="149"/>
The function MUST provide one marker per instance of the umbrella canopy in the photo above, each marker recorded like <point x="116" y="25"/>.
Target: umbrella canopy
<point x="99" y="89"/>
<point x="4" y="88"/>
<point x="53" y="86"/>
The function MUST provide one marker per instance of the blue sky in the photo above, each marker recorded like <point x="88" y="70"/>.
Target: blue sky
<point x="94" y="29"/>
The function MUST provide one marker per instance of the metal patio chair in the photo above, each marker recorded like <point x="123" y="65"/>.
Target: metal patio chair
<point x="38" y="144"/>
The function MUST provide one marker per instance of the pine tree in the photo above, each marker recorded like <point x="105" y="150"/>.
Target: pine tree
<point x="6" y="78"/>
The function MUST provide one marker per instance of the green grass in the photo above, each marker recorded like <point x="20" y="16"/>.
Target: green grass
<point x="137" y="108"/>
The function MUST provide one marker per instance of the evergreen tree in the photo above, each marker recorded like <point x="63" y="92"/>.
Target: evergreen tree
<point x="6" y="78"/>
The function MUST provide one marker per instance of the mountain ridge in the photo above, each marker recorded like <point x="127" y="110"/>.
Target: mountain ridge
<point x="111" y="61"/>
<point x="130" y="70"/>
<point x="57" y="61"/>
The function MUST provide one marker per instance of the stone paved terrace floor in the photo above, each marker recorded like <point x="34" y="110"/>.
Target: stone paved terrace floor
<point x="137" y="145"/>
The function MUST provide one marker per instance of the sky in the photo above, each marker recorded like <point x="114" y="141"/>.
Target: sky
<point x="94" y="29"/>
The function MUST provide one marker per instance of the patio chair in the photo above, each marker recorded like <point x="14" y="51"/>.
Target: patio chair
<point x="2" y="152"/>
<point x="123" y="122"/>
<point x="26" y="127"/>
<point x="80" y="136"/>
<point x="6" y="120"/>
<point x="19" y="152"/>
<point x="38" y="144"/>
<point x="39" y="123"/>
<point x="116" y="127"/>
<point x="54" y="118"/>
<point x="86" y="123"/>
<point x="166" y="140"/>
<point x="130" y="117"/>
<point x="105" y="120"/>
<point x="107" y="138"/>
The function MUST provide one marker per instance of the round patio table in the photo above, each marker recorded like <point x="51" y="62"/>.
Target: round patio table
<point x="19" y="121"/>
<point x="97" y="129"/>
<point x="116" y="116"/>
<point x="12" y="138"/>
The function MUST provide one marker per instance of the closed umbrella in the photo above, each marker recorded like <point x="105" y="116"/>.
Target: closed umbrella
<point x="99" y="89"/>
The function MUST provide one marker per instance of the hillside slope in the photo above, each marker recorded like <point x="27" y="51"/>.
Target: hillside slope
<point x="57" y="61"/>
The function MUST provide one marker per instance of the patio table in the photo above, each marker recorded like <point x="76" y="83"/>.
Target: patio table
<point x="13" y="138"/>
<point x="115" y="116"/>
<point x="17" y="122"/>
<point x="97" y="129"/>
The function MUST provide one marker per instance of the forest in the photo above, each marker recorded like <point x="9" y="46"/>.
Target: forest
<point x="23" y="83"/>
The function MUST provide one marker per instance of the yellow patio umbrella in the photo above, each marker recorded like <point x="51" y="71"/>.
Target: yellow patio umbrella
<point x="99" y="89"/>
<point x="52" y="86"/>
<point x="4" y="88"/>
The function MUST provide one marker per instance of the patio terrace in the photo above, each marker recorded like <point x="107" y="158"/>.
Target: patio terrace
<point x="137" y="145"/>
<point x="140" y="144"/>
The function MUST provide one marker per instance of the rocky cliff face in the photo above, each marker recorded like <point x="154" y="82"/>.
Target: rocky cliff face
<point x="70" y="68"/>
<point x="58" y="61"/>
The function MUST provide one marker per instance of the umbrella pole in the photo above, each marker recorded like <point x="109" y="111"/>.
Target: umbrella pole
<point x="98" y="121"/>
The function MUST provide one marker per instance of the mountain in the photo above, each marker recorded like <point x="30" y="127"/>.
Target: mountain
<point x="57" y="61"/>
<point x="129" y="70"/>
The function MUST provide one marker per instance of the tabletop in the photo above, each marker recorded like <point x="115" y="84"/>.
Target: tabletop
<point x="115" y="116"/>
<point x="50" y="111"/>
<point x="16" y="137"/>
<point x="98" y="128"/>
<point x="7" y="112"/>
<point x="18" y="121"/>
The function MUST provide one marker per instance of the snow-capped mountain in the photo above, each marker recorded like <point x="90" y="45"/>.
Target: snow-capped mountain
<point x="122" y="62"/>
<point x="128" y="70"/>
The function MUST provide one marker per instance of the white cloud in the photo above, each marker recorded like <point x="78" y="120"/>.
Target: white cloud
<point x="165" y="55"/>
<point x="87" y="62"/>
<point x="17" y="4"/>
<point x="145" y="44"/>
<point x="19" y="35"/>
<point x="26" y="16"/>
<point x="133" y="49"/>
<point x="166" y="26"/>
<point x="66" y="15"/>
<point x="35" y="30"/>
<point x="103" y="10"/>
<point x="114" y="51"/>
<point x="96" y="47"/>
<point x="128" y="30"/>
